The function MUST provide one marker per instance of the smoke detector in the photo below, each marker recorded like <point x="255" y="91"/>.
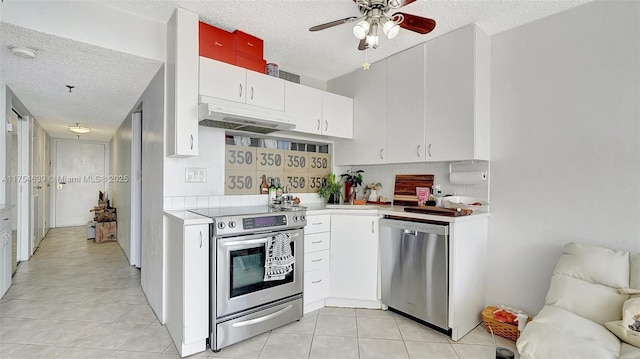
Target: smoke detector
<point x="23" y="52"/>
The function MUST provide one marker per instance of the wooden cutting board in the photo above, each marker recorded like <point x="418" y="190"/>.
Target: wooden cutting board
<point x="439" y="211"/>
<point x="404" y="193"/>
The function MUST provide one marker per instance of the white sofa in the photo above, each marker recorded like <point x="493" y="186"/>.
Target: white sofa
<point x="583" y="295"/>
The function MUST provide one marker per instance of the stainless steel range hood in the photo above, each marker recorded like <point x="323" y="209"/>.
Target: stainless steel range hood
<point x="240" y="117"/>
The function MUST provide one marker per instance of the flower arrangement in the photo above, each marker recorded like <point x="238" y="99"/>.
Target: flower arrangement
<point x="371" y="191"/>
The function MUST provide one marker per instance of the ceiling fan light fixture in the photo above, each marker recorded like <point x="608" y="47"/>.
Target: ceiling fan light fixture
<point x="79" y="129"/>
<point x="390" y="29"/>
<point x="361" y="29"/>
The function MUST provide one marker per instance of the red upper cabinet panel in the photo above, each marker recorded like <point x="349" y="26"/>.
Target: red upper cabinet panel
<point x="249" y="45"/>
<point x="217" y="44"/>
<point x="251" y="63"/>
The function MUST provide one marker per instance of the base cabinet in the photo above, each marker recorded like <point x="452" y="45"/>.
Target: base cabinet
<point x="317" y="244"/>
<point x="354" y="261"/>
<point x="187" y="301"/>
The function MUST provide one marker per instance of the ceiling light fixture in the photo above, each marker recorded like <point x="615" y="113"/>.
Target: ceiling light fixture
<point x="23" y="52"/>
<point x="79" y="129"/>
<point x="367" y="29"/>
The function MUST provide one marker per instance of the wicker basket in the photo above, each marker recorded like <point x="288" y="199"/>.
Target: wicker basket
<point x="505" y="330"/>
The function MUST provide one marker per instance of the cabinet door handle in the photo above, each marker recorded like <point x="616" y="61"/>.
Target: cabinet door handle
<point x="316" y="223"/>
<point x="316" y="281"/>
<point x="418" y="151"/>
<point x="429" y="150"/>
<point x="240" y="93"/>
<point x="381" y="150"/>
<point x="200" y="239"/>
<point x="316" y="242"/>
<point x="316" y="260"/>
<point x="191" y="137"/>
<point x="326" y="125"/>
<point x="5" y="219"/>
<point x="318" y="124"/>
<point x="372" y="226"/>
<point x="252" y="92"/>
<point x="250" y="44"/>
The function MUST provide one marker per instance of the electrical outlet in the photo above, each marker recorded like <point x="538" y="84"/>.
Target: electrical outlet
<point x="195" y="175"/>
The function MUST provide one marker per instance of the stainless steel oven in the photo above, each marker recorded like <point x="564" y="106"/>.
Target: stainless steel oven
<point x="240" y="272"/>
<point x="256" y="271"/>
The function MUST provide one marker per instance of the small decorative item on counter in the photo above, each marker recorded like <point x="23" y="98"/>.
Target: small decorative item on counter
<point x="423" y="195"/>
<point x="352" y="179"/>
<point x="330" y="189"/>
<point x="264" y="187"/>
<point x="371" y="191"/>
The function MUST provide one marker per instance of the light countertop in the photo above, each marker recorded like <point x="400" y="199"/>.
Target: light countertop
<point x="189" y="218"/>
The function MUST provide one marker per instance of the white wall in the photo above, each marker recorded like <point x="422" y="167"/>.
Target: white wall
<point x="111" y="28"/>
<point x="120" y="192"/>
<point x="565" y="144"/>
<point x="211" y="157"/>
<point x="153" y="109"/>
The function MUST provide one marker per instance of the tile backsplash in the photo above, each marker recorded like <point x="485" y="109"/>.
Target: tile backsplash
<point x="385" y="174"/>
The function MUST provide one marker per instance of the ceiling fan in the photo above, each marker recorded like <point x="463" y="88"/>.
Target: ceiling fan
<point x="375" y="15"/>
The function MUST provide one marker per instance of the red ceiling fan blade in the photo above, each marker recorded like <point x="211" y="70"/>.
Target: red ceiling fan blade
<point x="333" y="23"/>
<point x="419" y="24"/>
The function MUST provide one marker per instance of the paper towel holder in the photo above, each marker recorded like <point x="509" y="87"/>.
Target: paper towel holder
<point x="484" y="174"/>
<point x="460" y="163"/>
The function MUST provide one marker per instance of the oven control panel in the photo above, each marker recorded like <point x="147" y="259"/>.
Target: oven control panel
<point x="263" y="222"/>
<point x="247" y="224"/>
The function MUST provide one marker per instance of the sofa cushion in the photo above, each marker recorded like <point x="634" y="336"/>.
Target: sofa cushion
<point x="629" y="352"/>
<point x="558" y="333"/>
<point x="586" y="281"/>
<point x="628" y="329"/>
<point x="634" y="278"/>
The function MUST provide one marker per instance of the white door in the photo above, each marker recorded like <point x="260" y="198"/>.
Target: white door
<point x="38" y="171"/>
<point x="80" y="175"/>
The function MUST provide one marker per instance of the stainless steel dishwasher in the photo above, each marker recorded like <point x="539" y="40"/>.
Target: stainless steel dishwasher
<point x="415" y="269"/>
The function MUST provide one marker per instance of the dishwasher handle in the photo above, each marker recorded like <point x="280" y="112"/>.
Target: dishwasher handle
<point x="410" y="232"/>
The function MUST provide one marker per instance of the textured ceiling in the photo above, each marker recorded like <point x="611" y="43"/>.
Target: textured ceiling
<point x="108" y="83"/>
<point x="284" y="24"/>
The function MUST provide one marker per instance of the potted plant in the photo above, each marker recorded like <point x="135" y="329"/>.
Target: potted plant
<point x="352" y="179"/>
<point x="330" y="189"/>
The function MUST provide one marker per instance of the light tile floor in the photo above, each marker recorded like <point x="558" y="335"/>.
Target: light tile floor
<point x="78" y="299"/>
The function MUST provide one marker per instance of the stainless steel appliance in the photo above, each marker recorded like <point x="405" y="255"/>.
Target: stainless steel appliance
<point x="244" y="301"/>
<point x="414" y="266"/>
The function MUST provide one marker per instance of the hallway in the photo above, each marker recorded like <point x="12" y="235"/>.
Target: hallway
<point x="78" y="299"/>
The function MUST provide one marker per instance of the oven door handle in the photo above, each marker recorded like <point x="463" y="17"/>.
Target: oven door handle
<point x="262" y="319"/>
<point x="246" y="242"/>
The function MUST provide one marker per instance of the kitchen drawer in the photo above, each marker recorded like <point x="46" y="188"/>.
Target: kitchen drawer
<point x="316" y="285"/>
<point x="249" y="44"/>
<point x="316" y="260"/>
<point x="251" y="63"/>
<point x="317" y="242"/>
<point x="318" y="223"/>
<point x="5" y="221"/>
<point x="217" y="44"/>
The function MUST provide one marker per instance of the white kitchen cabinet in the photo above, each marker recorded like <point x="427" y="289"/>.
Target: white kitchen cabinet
<point x="406" y="106"/>
<point x="370" y="115"/>
<point x="303" y="106"/>
<point x="317" y="239"/>
<point x="457" y="96"/>
<point x="337" y="116"/>
<point x="182" y="75"/>
<point x="233" y="83"/>
<point x="187" y="286"/>
<point x="354" y="261"/>
<point x="319" y="112"/>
